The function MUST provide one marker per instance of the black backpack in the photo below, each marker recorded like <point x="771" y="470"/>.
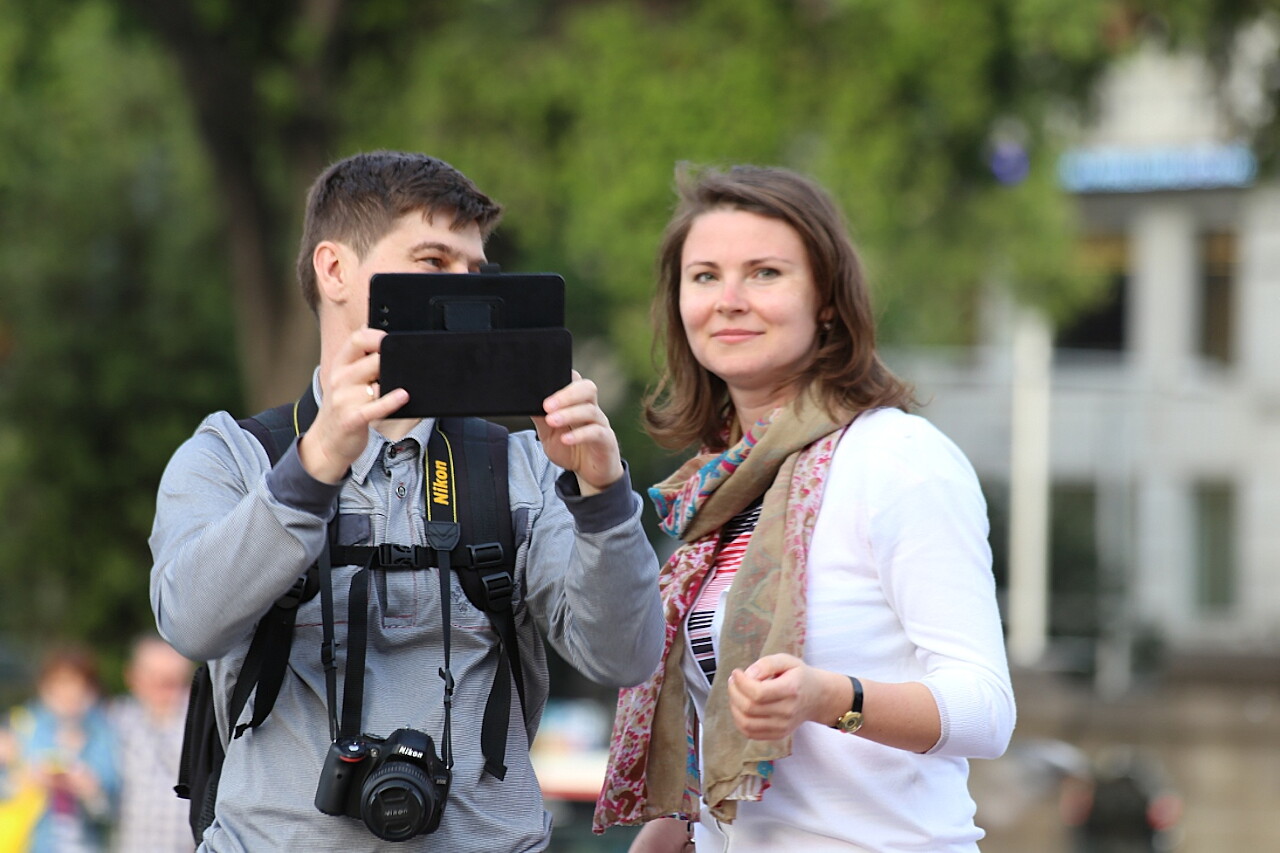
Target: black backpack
<point x="485" y="571"/>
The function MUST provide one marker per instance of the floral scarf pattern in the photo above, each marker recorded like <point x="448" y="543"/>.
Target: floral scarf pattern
<point x="653" y="757"/>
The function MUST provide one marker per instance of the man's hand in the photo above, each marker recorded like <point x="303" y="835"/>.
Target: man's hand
<point x="350" y="403"/>
<point x="576" y="435"/>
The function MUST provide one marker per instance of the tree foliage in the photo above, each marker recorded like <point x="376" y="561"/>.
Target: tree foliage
<point x="154" y="154"/>
<point x="114" y="322"/>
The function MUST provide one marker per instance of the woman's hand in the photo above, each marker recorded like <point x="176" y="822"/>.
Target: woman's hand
<point x="664" y="835"/>
<point x="772" y="697"/>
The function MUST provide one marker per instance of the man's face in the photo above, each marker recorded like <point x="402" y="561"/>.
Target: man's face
<point x="415" y="244"/>
<point x="160" y="678"/>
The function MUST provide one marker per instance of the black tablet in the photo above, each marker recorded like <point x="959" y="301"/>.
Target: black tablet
<point x="471" y="344"/>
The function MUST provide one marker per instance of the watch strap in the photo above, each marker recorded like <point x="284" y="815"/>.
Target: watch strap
<point x="857" y="695"/>
<point x="850" y="721"/>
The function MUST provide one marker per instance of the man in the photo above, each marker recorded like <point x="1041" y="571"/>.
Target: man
<point x="231" y="535"/>
<point x="148" y="724"/>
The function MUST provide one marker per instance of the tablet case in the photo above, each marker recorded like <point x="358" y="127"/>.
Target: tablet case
<point x="499" y="372"/>
<point x="472" y="344"/>
<point x="465" y="302"/>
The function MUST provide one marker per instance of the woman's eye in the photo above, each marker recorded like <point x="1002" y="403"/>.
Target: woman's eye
<point x="767" y="272"/>
<point x="703" y="277"/>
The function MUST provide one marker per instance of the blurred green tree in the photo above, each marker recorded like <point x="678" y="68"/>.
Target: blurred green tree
<point x="154" y="155"/>
<point x="114" y="321"/>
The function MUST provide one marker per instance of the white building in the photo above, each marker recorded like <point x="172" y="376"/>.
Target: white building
<point x="1159" y="412"/>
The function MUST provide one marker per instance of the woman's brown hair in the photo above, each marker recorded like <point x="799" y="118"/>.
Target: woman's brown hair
<point x="689" y="404"/>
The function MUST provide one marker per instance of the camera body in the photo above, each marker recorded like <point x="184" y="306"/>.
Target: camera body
<point x="396" y="785"/>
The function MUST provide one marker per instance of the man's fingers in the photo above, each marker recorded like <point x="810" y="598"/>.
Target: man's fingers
<point x="579" y="391"/>
<point x="388" y="404"/>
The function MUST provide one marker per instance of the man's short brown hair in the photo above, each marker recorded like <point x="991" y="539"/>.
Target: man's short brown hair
<point x="356" y="201"/>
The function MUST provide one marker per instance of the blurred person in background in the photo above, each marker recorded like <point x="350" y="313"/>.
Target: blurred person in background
<point x="148" y="725"/>
<point x="1122" y="803"/>
<point x="61" y="743"/>
<point x="832" y="617"/>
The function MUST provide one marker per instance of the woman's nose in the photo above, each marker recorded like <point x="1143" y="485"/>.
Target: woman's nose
<point x="731" y="297"/>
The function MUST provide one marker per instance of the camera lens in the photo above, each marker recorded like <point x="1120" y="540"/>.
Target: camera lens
<point x="399" y="801"/>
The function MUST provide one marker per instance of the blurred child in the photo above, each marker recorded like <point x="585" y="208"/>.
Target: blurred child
<point x="61" y="742"/>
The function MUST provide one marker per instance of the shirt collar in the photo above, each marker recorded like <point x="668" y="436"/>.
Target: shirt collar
<point x="373" y="448"/>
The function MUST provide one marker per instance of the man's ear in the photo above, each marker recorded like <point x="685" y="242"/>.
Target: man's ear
<point x="333" y="264"/>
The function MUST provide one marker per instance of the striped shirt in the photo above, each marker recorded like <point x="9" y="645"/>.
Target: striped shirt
<point x="734" y="537"/>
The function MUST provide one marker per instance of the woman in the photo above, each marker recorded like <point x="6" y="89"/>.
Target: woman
<point x="832" y="622"/>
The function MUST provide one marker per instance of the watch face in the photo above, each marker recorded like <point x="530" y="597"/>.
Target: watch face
<point x="850" y="722"/>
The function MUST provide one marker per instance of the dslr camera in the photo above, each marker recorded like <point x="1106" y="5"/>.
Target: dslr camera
<point x="397" y="785"/>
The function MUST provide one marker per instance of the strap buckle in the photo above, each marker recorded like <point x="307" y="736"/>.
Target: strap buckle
<point x="291" y="599"/>
<point x="486" y="555"/>
<point x="498" y="590"/>
<point x="400" y="556"/>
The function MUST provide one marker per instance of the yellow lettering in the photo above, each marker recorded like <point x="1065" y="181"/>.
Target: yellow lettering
<point x="440" y="484"/>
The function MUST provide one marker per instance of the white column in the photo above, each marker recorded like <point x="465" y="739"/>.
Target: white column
<point x="1258" y="347"/>
<point x="1029" y="489"/>
<point x="1165" y="590"/>
<point x="1258" y="295"/>
<point x="1164" y="272"/>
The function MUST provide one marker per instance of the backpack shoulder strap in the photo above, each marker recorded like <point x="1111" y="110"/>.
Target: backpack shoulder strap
<point x="276" y="428"/>
<point x="201" y="759"/>
<point x="488" y="578"/>
<point x="268" y="654"/>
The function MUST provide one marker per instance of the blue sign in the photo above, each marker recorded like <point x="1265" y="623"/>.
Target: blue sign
<point x="1132" y="170"/>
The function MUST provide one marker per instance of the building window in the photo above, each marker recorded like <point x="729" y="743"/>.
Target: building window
<point x="1215" y="530"/>
<point x="1102" y="326"/>
<point x="1073" y="562"/>
<point x="1217" y="296"/>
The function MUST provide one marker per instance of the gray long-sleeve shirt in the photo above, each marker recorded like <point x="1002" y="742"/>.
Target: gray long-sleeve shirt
<point x="231" y="535"/>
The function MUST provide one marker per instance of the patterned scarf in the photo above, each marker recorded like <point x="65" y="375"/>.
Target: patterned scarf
<point x="653" y="756"/>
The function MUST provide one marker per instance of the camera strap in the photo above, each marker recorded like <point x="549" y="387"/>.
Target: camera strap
<point x="476" y="465"/>
<point x="484" y="563"/>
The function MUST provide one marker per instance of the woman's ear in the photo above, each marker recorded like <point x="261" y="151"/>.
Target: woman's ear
<point x="332" y="263"/>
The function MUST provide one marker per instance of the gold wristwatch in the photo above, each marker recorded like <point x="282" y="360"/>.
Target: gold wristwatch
<point x="850" y="721"/>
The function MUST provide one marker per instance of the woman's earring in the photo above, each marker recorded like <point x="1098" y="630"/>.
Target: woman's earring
<point x="826" y="326"/>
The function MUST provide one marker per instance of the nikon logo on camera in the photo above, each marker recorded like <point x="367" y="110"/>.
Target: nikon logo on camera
<point x="440" y="483"/>
<point x="409" y="751"/>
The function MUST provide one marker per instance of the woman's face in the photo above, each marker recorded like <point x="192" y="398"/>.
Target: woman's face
<point x="748" y="304"/>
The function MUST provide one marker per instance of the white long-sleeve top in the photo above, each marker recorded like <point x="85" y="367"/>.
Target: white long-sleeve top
<point x="899" y="589"/>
